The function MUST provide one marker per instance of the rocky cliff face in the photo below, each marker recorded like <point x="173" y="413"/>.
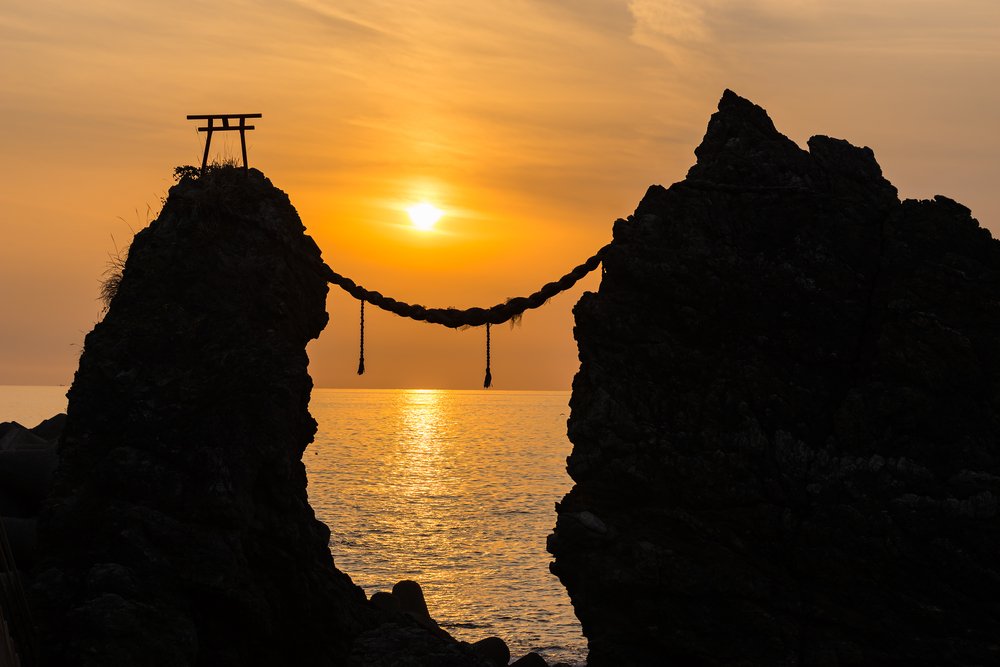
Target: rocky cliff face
<point x="179" y="531"/>
<point x="785" y="421"/>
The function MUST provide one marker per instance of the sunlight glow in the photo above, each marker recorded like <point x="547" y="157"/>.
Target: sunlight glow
<point x="424" y="215"/>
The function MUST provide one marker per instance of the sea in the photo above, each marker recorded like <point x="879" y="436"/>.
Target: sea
<point x="452" y="489"/>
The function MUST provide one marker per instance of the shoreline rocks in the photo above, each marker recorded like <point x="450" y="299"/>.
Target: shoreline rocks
<point x="406" y="634"/>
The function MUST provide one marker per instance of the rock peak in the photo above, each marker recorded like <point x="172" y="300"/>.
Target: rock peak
<point x="732" y="106"/>
<point x="743" y="147"/>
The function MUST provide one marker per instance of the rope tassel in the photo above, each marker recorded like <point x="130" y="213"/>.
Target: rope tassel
<point x="489" y="377"/>
<point x="361" y="355"/>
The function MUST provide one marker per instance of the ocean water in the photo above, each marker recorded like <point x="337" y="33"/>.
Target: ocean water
<point x="453" y="489"/>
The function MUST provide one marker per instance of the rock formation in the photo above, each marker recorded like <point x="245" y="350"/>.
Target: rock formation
<point x="785" y="422"/>
<point x="179" y="530"/>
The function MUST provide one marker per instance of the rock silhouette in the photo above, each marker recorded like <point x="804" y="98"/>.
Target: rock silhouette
<point x="785" y="421"/>
<point x="179" y="530"/>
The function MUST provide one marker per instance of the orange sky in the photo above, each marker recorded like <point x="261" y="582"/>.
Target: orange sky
<point x="534" y="124"/>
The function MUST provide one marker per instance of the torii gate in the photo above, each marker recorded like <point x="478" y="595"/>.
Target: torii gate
<point x="225" y="127"/>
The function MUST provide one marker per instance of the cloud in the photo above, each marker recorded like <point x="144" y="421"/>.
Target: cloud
<point x="669" y="25"/>
<point x="664" y="23"/>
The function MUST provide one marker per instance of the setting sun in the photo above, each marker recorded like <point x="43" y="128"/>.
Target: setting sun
<point x="424" y="215"/>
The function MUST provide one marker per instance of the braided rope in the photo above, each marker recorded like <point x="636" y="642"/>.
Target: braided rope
<point x="470" y="317"/>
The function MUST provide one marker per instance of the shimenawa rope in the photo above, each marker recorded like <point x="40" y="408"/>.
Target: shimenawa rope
<point x="454" y="318"/>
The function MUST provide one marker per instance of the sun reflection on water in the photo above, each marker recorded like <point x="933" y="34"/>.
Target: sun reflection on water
<point x="455" y="490"/>
<point x="421" y="444"/>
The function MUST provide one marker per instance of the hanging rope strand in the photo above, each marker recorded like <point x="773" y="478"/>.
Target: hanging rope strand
<point x="470" y="317"/>
<point x="489" y="377"/>
<point x="361" y="354"/>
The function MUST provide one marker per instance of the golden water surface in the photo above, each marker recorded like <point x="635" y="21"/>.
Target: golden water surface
<point x="454" y="489"/>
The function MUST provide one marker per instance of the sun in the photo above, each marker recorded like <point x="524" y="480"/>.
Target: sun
<point x="424" y="215"/>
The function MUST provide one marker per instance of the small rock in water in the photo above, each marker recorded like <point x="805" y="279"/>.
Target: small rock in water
<point x="493" y="650"/>
<point x="411" y="598"/>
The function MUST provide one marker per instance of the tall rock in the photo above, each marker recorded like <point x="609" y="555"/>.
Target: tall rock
<point x="785" y="424"/>
<point x="179" y="531"/>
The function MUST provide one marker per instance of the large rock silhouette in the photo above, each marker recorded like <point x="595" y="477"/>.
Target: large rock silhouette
<point x="179" y="530"/>
<point x="785" y="424"/>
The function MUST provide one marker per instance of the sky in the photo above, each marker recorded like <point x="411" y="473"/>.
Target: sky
<point x="533" y="124"/>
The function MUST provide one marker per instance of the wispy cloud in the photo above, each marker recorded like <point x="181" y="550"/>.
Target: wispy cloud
<point x="920" y="25"/>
